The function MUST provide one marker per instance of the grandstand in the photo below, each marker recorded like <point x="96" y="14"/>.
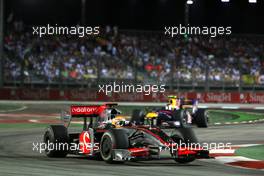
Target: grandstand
<point x="145" y="55"/>
<point x="190" y="63"/>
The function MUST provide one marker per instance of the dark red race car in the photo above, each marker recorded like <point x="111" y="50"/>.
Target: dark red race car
<point x="109" y="136"/>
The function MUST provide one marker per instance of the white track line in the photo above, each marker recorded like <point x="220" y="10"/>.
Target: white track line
<point x="229" y="107"/>
<point x="33" y="121"/>
<point x="230" y="159"/>
<point x="259" y="108"/>
<point x="14" y="110"/>
<point x="212" y="151"/>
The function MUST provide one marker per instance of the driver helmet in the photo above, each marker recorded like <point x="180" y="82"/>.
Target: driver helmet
<point x="109" y="114"/>
<point x="174" y="103"/>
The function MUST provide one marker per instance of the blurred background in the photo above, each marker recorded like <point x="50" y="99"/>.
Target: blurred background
<point x="132" y="47"/>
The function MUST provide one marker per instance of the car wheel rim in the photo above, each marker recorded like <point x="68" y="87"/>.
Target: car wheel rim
<point x="106" y="147"/>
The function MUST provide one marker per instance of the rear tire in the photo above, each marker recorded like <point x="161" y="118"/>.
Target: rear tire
<point x="56" y="139"/>
<point x="201" y="118"/>
<point x="137" y="117"/>
<point x="113" y="139"/>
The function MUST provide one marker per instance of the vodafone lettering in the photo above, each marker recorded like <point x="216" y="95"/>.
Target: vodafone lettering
<point x="78" y="110"/>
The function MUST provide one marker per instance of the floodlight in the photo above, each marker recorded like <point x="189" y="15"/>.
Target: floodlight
<point x="252" y="1"/>
<point x="189" y="2"/>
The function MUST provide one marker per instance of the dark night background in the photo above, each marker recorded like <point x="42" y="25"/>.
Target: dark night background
<point x="142" y="14"/>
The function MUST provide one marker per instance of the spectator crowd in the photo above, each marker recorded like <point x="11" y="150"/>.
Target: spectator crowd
<point x="128" y="55"/>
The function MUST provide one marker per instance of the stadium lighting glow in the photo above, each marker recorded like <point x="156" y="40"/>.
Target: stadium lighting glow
<point x="189" y="2"/>
<point x="252" y="1"/>
<point x="225" y="0"/>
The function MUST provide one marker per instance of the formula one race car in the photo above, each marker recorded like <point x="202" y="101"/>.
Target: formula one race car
<point x="111" y="137"/>
<point x="187" y="109"/>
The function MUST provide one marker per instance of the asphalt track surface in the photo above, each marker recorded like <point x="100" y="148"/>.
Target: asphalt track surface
<point x="18" y="158"/>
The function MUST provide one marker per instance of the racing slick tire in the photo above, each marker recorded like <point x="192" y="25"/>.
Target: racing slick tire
<point x="181" y="116"/>
<point x="137" y="117"/>
<point x="187" y="159"/>
<point x="201" y="118"/>
<point x="56" y="139"/>
<point x="113" y="139"/>
<point x="186" y="137"/>
<point x="177" y="139"/>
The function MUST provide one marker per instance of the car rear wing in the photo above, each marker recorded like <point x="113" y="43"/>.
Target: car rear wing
<point x="84" y="111"/>
<point x="89" y="110"/>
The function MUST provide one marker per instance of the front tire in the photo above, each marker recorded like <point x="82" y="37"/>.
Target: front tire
<point x="188" y="138"/>
<point x="201" y="118"/>
<point x="181" y="116"/>
<point x="184" y="160"/>
<point x="113" y="139"/>
<point x="137" y="117"/>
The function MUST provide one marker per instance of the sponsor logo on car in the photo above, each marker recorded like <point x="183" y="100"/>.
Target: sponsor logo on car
<point x="83" y="110"/>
